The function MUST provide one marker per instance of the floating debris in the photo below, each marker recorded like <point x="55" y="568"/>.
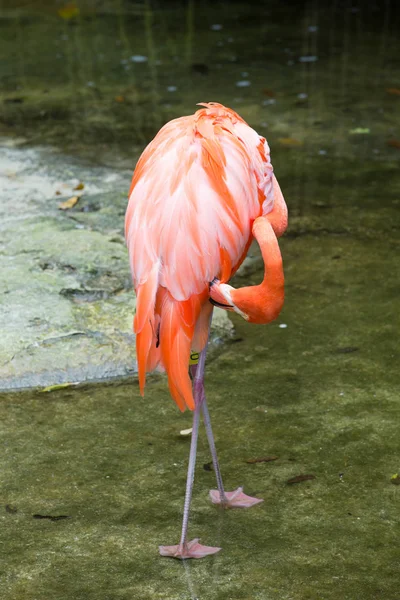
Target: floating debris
<point x="171" y="88"/>
<point x="393" y="91"/>
<point x="80" y="186"/>
<point x="322" y="152"/>
<point x="70" y="203"/>
<point x="308" y="59"/>
<point x="312" y="28"/>
<point x="290" y="142"/>
<point x="139" y="58"/>
<point x="300" y="478"/>
<point x="68" y="11"/>
<point x="14" y="100"/>
<point x="58" y="386"/>
<point x="282" y="326"/>
<point x="201" y="68"/>
<point x="269" y="102"/>
<point x="395" y="479"/>
<point x="252" y="461"/>
<point x="347" y="349"/>
<point x="302" y="96"/>
<point x="119" y="99"/>
<point x="216" y="27"/>
<point x="243" y="83"/>
<point x="268" y="92"/>
<point x="360" y="131"/>
<point x="51" y="517"/>
<point x="186" y="431"/>
<point x="394" y="144"/>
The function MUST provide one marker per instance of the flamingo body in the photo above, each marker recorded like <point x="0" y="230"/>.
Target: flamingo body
<point x="195" y="194"/>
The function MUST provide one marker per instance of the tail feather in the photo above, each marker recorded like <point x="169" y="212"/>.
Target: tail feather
<point x="165" y="329"/>
<point x="144" y="341"/>
<point x="175" y="341"/>
<point x="144" y="322"/>
<point x="145" y="299"/>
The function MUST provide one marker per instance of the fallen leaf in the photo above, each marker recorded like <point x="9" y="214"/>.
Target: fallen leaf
<point x="14" y="100"/>
<point x="51" y="517"/>
<point x="269" y="93"/>
<point x="395" y="479"/>
<point x="201" y="68"/>
<point x="57" y="386"/>
<point x="70" y="203"/>
<point x="290" y="142"/>
<point x="347" y="349"/>
<point x="186" y="431"/>
<point x="300" y="478"/>
<point x="58" y="193"/>
<point x="252" y="461"/>
<point x="119" y="99"/>
<point x="393" y="91"/>
<point x="68" y="11"/>
<point x="394" y="143"/>
<point x="80" y="186"/>
<point x="360" y="131"/>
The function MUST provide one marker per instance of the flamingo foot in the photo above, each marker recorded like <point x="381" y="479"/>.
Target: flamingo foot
<point x="190" y="549"/>
<point x="236" y="499"/>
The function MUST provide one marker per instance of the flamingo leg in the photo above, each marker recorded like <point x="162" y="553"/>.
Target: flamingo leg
<point x="213" y="450"/>
<point x="192" y="549"/>
<point x="235" y="499"/>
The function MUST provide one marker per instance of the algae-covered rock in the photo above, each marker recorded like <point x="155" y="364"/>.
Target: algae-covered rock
<point x="66" y="304"/>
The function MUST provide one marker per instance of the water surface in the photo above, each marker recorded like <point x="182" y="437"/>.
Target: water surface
<point x="318" y="388"/>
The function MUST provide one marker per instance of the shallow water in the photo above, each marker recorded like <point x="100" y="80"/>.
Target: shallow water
<point x="320" y="394"/>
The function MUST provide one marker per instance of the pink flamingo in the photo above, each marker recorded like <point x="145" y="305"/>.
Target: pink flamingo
<point x="200" y="191"/>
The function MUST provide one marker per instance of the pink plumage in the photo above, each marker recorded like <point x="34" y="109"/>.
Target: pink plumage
<point x="196" y="191"/>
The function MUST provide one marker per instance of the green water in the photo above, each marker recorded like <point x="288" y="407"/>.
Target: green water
<point x="321" y="394"/>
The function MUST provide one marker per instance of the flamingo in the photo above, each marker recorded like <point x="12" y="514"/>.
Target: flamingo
<point x="201" y="190"/>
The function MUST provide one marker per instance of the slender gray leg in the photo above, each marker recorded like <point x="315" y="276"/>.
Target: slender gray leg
<point x="192" y="549"/>
<point x="190" y="473"/>
<point x="211" y="442"/>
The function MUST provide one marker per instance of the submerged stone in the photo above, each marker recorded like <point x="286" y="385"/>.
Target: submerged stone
<point x="66" y="300"/>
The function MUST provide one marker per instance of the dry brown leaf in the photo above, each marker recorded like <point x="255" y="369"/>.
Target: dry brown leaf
<point x="68" y="11"/>
<point x="290" y="142"/>
<point x="393" y="91"/>
<point x="300" y="478"/>
<point x="70" y="203"/>
<point x="80" y="186"/>
<point x="119" y="99"/>
<point x="252" y="461"/>
<point x="268" y="92"/>
<point x="394" y="143"/>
